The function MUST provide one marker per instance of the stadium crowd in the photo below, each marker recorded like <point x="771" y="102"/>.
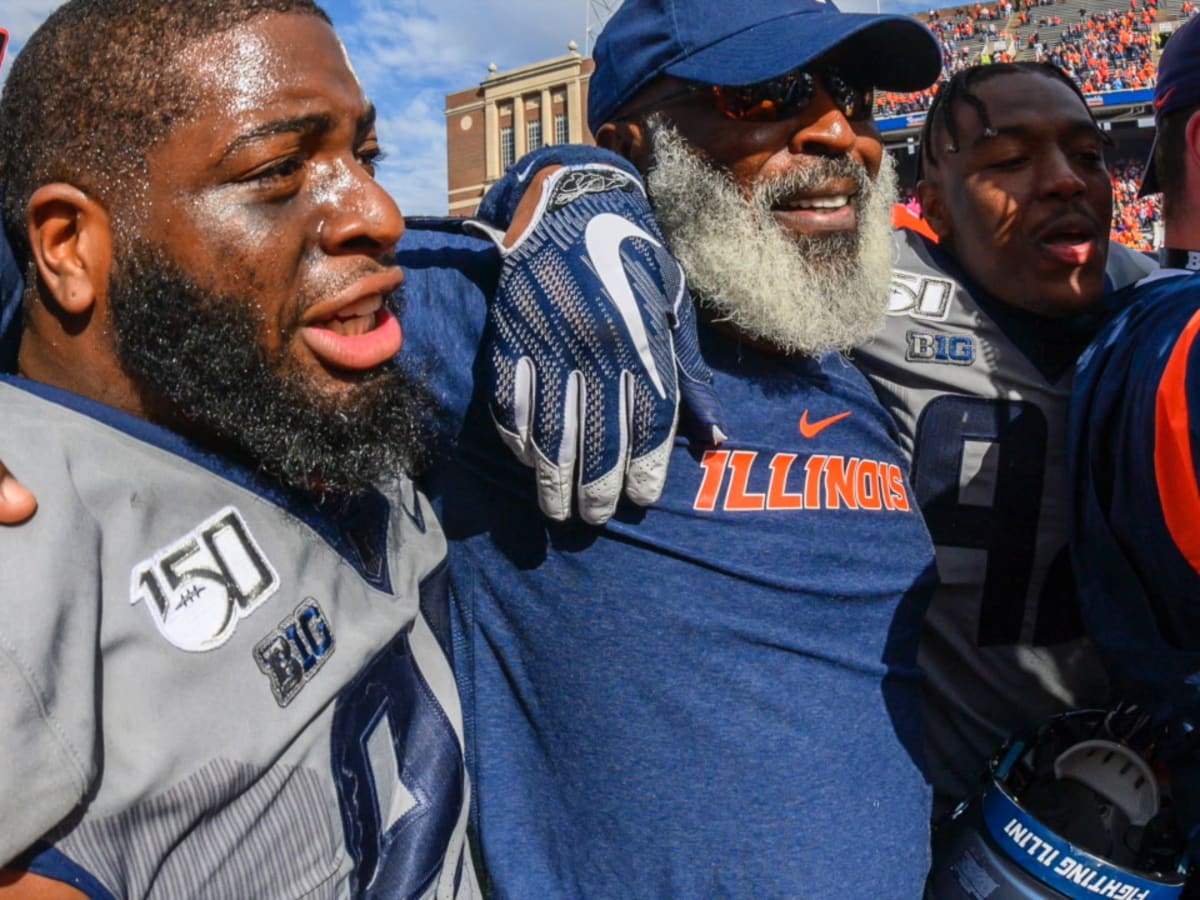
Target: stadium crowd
<point x="1134" y="217"/>
<point x="1106" y="48"/>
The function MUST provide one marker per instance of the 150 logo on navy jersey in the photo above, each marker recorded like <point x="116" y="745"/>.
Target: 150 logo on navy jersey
<point x="198" y="588"/>
<point x="295" y="651"/>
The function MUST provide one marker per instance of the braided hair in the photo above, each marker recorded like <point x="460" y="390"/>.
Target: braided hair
<point x="958" y="90"/>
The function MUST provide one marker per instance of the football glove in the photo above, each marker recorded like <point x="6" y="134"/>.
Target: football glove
<point x="591" y="337"/>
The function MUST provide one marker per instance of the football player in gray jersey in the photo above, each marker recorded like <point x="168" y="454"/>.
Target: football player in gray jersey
<point x="225" y="666"/>
<point x="975" y="363"/>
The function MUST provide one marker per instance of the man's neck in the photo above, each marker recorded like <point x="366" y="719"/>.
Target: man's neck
<point x="1181" y="233"/>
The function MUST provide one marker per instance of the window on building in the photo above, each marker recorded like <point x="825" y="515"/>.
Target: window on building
<point x="533" y="134"/>
<point x="561" y="133"/>
<point x="508" y="147"/>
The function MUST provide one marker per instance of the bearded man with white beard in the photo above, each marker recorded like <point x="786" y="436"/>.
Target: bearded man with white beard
<point x="716" y="694"/>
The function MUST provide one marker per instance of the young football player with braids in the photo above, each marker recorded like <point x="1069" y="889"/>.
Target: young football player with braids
<point x="975" y="364"/>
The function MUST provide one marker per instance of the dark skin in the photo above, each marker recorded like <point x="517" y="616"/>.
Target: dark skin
<point x="753" y="152"/>
<point x="268" y="191"/>
<point x="1026" y="211"/>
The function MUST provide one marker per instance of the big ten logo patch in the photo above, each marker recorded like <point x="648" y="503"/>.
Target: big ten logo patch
<point x="952" y="349"/>
<point x="919" y="296"/>
<point x="198" y="588"/>
<point x="292" y="654"/>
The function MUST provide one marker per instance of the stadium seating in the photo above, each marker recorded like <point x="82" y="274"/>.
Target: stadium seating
<point x="1105" y="45"/>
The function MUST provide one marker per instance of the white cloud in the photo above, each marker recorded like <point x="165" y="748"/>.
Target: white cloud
<point x="411" y="53"/>
<point x="413" y="135"/>
<point x="19" y="18"/>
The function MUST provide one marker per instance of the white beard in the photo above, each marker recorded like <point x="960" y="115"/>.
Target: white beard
<point x="806" y="295"/>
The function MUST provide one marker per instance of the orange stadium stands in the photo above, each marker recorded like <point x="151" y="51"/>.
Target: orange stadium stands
<point x="1110" y="48"/>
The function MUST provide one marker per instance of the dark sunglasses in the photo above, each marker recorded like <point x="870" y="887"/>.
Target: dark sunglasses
<point x="779" y="98"/>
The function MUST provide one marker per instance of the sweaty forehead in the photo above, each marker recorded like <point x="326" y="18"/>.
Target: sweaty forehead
<point x="1022" y="103"/>
<point x="273" y="60"/>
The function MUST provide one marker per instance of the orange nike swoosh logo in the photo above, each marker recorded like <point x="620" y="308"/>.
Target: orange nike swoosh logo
<point x="812" y="429"/>
<point x="1162" y="101"/>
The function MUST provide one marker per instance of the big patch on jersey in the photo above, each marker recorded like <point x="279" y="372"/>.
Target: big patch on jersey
<point x="198" y="588"/>
<point x="954" y="349"/>
<point x="295" y="651"/>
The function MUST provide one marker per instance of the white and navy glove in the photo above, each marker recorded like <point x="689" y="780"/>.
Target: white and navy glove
<point x="591" y="336"/>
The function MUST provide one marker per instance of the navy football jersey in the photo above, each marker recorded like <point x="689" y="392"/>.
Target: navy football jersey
<point x="1135" y="423"/>
<point x="980" y="392"/>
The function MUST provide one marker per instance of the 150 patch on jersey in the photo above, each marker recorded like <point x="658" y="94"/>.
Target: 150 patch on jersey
<point x="198" y="588"/>
<point x="919" y="296"/>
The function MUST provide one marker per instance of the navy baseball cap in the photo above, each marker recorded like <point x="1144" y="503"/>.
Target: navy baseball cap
<point x="736" y="42"/>
<point x="1178" y="87"/>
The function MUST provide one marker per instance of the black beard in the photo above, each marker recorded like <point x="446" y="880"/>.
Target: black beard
<point x="199" y="361"/>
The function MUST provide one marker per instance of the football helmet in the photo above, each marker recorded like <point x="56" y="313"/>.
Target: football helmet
<point x="1075" y="809"/>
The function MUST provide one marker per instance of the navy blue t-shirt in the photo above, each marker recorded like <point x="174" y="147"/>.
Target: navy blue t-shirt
<point x="715" y="696"/>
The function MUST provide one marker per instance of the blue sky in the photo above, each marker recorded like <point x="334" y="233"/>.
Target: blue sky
<point x="411" y="53"/>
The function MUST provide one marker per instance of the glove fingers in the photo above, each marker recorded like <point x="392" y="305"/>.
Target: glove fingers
<point x="598" y="498"/>
<point x="647" y="475"/>
<point x="703" y="419"/>
<point x="515" y="423"/>
<point x="651" y="425"/>
<point x="556" y="476"/>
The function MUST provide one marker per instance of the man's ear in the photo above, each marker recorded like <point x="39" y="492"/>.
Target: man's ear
<point x="1192" y="140"/>
<point x="70" y="235"/>
<point x="628" y="138"/>
<point x="933" y="207"/>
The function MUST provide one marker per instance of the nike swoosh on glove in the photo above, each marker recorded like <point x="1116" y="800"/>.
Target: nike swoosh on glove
<point x="592" y="340"/>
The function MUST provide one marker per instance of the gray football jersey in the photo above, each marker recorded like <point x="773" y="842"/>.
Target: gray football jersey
<point x="985" y="426"/>
<point x="212" y="688"/>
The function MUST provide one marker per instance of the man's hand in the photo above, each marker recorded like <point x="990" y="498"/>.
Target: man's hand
<point x="16" y="503"/>
<point x="591" y="337"/>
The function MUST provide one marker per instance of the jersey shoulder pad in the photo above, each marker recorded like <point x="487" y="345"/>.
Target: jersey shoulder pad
<point x="920" y="289"/>
<point x="1125" y="266"/>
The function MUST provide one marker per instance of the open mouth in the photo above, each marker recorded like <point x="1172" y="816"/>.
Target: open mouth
<point x="356" y="319"/>
<point x="810" y="213"/>
<point x="356" y="330"/>
<point x="833" y="201"/>
<point x="1070" y="246"/>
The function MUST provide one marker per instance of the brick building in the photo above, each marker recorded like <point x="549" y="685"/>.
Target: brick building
<point x="510" y="113"/>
